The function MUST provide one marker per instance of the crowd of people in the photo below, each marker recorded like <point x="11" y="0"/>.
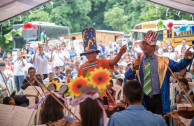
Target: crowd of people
<point x="144" y="80"/>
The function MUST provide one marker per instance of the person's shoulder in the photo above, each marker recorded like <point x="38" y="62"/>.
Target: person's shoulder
<point x="120" y="114"/>
<point x="160" y="120"/>
<point x="156" y="117"/>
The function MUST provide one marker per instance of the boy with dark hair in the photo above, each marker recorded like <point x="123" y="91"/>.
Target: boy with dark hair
<point x="19" y="100"/>
<point x="57" y="73"/>
<point x="119" y="81"/>
<point x="133" y="94"/>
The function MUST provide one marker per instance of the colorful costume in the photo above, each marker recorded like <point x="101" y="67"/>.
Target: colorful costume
<point x="89" y="40"/>
<point x="85" y="69"/>
<point x="163" y="73"/>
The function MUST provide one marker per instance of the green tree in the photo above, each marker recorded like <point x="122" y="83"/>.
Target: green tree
<point x="72" y="14"/>
<point x="116" y="19"/>
<point x="156" y="12"/>
<point x="39" y="16"/>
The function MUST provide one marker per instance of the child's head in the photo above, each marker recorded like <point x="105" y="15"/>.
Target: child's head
<point x="51" y="76"/>
<point x="110" y="85"/>
<point x="57" y="70"/>
<point x="51" y="110"/>
<point x="184" y="83"/>
<point x="69" y="77"/>
<point x="67" y="72"/>
<point x="9" y="101"/>
<point x="119" y="81"/>
<point x="71" y="67"/>
<point x="90" y="112"/>
<point x="77" y="66"/>
<point x="121" y="68"/>
<point x="61" y="68"/>
<point x="66" y="66"/>
<point x="31" y="71"/>
<point x="91" y="56"/>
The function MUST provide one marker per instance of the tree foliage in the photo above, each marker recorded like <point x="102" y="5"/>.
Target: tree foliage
<point x="116" y="19"/>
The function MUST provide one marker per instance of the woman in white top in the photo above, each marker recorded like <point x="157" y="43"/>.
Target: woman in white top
<point x="18" y="70"/>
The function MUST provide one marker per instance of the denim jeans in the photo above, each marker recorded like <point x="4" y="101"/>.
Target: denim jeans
<point x="19" y="81"/>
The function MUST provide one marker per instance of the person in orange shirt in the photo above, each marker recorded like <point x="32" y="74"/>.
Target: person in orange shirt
<point x="91" y="52"/>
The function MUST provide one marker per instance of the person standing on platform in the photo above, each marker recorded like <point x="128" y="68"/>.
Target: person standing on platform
<point x="91" y="52"/>
<point x="153" y="74"/>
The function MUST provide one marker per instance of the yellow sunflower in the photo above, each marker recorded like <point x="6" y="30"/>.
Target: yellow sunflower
<point x="100" y="78"/>
<point x="76" y="85"/>
<point x="56" y="83"/>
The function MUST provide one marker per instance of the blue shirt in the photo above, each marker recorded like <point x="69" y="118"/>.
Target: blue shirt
<point x="72" y="54"/>
<point x="74" y="73"/>
<point x="108" y="50"/>
<point x="100" y="49"/>
<point x="30" y="51"/>
<point x="68" y="118"/>
<point x="154" y="74"/>
<point x="136" y="115"/>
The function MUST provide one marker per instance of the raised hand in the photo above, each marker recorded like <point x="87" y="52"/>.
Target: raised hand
<point x="123" y="49"/>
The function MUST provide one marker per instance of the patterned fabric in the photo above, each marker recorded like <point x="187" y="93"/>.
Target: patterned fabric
<point x="93" y="65"/>
<point x="147" y="88"/>
<point x="85" y="69"/>
<point x="151" y="37"/>
<point x="89" y="40"/>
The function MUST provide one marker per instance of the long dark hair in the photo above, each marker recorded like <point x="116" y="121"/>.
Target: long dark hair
<point x="90" y="113"/>
<point x="51" y="111"/>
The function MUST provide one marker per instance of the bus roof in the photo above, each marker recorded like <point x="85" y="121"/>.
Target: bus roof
<point x="42" y="24"/>
<point x="165" y="22"/>
<point x="175" y="22"/>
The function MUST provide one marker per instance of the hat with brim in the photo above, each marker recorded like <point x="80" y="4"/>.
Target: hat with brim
<point x="89" y="40"/>
<point x="151" y="38"/>
<point x="81" y="54"/>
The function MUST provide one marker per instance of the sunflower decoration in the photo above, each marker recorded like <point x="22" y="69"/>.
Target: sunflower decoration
<point x="100" y="78"/>
<point x="55" y="83"/>
<point x="76" y="85"/>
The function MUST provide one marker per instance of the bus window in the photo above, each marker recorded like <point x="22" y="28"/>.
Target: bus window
<point x="136" y="36"/>
<point x="169" y="35"/>
<point x="160" y="38"/>
<point x="144" y="34"/>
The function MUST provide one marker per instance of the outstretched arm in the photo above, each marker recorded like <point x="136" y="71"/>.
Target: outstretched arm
<point x="178" y="66"/>
<point x="118" y="57"/>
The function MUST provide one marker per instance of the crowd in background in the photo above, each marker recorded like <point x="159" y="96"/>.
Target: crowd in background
<point x="58" y="61"/>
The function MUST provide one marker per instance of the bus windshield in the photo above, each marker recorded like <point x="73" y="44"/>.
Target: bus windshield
<point x="141" y="35"/>
<point x="49" y="31"/>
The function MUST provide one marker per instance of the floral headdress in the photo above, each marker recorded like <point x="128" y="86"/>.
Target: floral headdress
<point x="98" y="78"/>
<point x="90" y="87"/>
